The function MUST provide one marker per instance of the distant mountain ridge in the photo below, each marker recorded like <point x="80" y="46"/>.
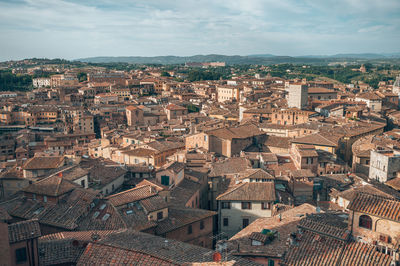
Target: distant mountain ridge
<point x="265" y="59"/>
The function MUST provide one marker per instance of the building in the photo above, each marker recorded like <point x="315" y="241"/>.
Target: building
<point x="375" y="220"/>
<point x="373" y="101"/>
<point x="134" y="115"/>
<point x="325" y="239"/>
<point x="292" y="116"/>
<point x="321" y="94"/>
<point x="111" y="77"/>
<point x="384" y="164"/>
<point x="40" y="166"/>
<point x="264" y="241"/>
<point x="19" y="242"/>
<point x="298" y="95"/>
<point x="41" y="82"/>
<point x="174" y="111"/>
<point x="244" y="203"/>
<point x="83" y="124"/>
<point x="228" y="94"/>
<point x="227" y="141"/>
<point x="63" y="80"/>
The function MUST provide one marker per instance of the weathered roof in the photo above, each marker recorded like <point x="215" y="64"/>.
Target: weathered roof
<point x="240" y="132"/>
<point x="99" y="254"/>
<point x="132" y="195"/>
<point x="24" y="230"/>
<point x="315" y="249"/>
<point x="174" y="107"/>
<point x="376" y="205"/>
<point x="315" y="139"/>
<point x="330" y="224"/>
<point x="51" y="186"/>
<point x="285" y="223"/>
<point x="38" y="163"/>
<point x="252" y="191"/>
<point x="167" y="249"/>
<point x="140" y="152"/>
<point x="229" y="166"/>
<point x="256" y="174"/>
<point x="181" y="216"/>
<point x="394" y="183"/>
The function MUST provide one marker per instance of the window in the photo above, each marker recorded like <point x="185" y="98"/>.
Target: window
<point x="265" y="205"/>
<point x="159" y="215"/>
<point x="365" y="222"/>
<point x="246" y="205"/>
<point x="105" y="217"/>
<point x="83" y="183"/>
<point x="271" y="262"/>
<point x="190" y="229"/>
<point x="225" y="221"/>
<point x="44" y="198"/>
<point x="165" y="180"/>
<point x="245" y="222"/>
<point x="201" y="225"/>
<point x="225" y="205"/>
<point x="20" y="255"/>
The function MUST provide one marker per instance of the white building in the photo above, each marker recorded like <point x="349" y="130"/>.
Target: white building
<point x="244" y="203"/>
<point x="384" y="164"/>
<point x="373" y="101"/>
<point x="298" y="95"/>
<point x="41" y="82"/>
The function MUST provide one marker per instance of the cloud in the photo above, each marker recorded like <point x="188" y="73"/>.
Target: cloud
<point x="77" y="28"/>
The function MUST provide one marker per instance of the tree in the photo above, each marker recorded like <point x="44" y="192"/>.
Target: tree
<point x="82" y="76"/>
<point x="165" y="74"/>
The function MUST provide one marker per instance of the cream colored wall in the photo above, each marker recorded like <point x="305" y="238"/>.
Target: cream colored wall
<point x="379" y="227"/>
<point x="153" y="215"/>
<point x="235" y="215"/>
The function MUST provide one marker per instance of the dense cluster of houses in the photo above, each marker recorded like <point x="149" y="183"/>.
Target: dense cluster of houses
<point x="135" y="167"/>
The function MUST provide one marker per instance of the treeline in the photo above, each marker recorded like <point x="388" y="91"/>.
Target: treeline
<point x="13" y="82"/>
<point x="208" y="74"/>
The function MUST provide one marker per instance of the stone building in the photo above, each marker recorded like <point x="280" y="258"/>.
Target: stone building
<point x="298" y="95"/>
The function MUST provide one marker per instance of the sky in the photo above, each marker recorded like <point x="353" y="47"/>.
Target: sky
<point x="74" y="29"/>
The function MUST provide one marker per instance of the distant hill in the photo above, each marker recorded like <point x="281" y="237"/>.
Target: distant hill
<point x="229" y="59"/>
<point x="261" y="59"/>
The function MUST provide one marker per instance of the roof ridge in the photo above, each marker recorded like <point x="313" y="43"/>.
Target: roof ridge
<point x="135" y="250"/>
<point x="233" y="189"/>
<point x="326" y="138"/>
<point x="129" y="190"/>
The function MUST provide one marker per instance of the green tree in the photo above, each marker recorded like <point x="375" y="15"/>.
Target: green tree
<point x="165" y="74"/>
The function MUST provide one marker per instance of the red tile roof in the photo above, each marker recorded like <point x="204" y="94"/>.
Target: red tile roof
<point x="37" y="163"/>
<point x="132" y="195"/>
<point x="380" y="206"/>
<point x="102" y="254"/>
<point x="253" y="191"/>
<point x="22" y="231"/>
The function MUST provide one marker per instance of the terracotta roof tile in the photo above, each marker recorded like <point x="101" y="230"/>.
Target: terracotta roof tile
<point x="180" y="216"/>
<point x="99" y="254"/>
<point x="132" y="195"/>
<point x="37" y="163"/>
<point x="51" y="186"/>
<point x="380" y="206"/>
<point x="253" y="191"/>
<point x="24" y="230"/>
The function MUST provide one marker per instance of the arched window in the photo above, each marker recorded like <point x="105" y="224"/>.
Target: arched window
<point x="365" y="222"/>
